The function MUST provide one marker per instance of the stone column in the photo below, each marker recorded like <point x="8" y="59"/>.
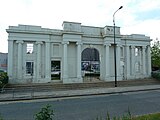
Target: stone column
<point x="127" y="61"/>
<point x="144" y="59"/>
<point x="132" y="60"/>
<point x="107" y="61"/>
<point x="65" y="62"/>
<point x="47" y="62"/>
<point x="79" y="76"/>
<point x="149" y="60"/>
<point x="10" y="59"/>
<point x="118" y="60"/>
<point x="20" y="56"/>
<point x="38" y="67"/>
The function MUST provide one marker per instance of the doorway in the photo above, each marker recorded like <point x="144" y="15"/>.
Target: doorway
<point x="90" y="65"/>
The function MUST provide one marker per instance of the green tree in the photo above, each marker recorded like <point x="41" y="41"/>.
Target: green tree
<point x="46" y="113"/>
<point x="3" y="79"/>
<point x="155" y="54"/>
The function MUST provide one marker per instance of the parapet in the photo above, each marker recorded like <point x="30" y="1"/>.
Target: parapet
<point x="136" y="37"/>
<point x="32" y="29"/>
<point x="71" y="26"/>
<point x="25" y="27"/>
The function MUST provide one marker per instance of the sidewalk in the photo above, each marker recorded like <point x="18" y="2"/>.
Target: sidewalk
<point x="50" y="93"/>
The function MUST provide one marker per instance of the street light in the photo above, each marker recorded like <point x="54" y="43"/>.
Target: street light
<point x="115" y="63"/>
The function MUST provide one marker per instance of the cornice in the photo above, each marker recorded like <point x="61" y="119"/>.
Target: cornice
<point x="72" y="32"/>
<point x="34" y="32"/>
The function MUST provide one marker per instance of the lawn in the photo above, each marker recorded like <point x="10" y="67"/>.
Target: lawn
<point x="155" y="116"/>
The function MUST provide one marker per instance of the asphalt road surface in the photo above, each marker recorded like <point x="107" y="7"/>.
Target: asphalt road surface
<point x="86" y="108"/>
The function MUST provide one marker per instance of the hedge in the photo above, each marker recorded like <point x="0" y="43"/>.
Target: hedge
<point x="156" y="74"/>
<point x="3" y="79"/>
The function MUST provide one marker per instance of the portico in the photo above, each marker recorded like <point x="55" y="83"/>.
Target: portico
<point x="37" y="54"/>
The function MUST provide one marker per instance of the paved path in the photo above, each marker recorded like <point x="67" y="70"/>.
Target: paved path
<point x="86" y="107"/>
<point x="50" y="93"/>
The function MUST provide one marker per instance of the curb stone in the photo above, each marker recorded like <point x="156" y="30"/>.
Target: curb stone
<point x="76" y="93"/>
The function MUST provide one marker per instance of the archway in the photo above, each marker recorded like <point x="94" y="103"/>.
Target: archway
<point x="90" y="65"/>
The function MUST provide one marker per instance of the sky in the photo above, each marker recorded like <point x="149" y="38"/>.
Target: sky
<point x="136" y="16"/>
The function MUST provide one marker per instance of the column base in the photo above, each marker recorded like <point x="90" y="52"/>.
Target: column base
<point x="127" y="77"/>
<point x="72" y="80"/>
<point x="42" y="80"/>
<point x="119" y="78"/>
<point x="107" y="78"/>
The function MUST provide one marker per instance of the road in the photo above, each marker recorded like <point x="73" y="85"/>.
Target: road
<point x="86" y="108"/>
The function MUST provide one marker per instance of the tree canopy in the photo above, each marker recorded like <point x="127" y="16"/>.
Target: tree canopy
<point x="155" y="54"/>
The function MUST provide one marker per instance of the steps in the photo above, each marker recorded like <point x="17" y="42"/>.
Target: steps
<point x="60" y="86"/>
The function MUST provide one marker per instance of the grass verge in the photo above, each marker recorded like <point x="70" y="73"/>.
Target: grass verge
<point x="154" y="116"/>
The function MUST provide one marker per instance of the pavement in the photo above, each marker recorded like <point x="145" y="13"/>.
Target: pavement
<point x="30" y="94"/>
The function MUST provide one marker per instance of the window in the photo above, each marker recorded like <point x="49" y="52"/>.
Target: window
<point x="122" y="52"/>
<point x="29" y="48"/>
<point x="136" y="51"/>
<point x="29" y="68"/>
<point x="55" y="70"/>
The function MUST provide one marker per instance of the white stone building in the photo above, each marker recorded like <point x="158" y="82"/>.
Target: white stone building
<point x="37" y="55"/>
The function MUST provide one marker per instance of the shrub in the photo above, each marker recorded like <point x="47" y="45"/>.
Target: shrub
<point x="1" y="117"/>
<point x="46" y="113"/>
<point x="156" y="74"/>
<point x="3" y="79"/>
<point x="128" y="116"/>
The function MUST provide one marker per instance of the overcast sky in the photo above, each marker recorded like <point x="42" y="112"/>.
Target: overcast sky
<point x="136" y="17"/>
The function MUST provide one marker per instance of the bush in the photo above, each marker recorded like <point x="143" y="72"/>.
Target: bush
<point x="46" y="113"/>
<point x="3" y="79"/>
<point x="128" y="116"/>
<point x="1" y="117"/>
<point x="156" y="74"/>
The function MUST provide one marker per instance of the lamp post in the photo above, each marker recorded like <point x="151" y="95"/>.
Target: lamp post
<point x="115" y="63"/>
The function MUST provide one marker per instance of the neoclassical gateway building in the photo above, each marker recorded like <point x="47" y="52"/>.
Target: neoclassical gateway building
<point x="75" y="54"/>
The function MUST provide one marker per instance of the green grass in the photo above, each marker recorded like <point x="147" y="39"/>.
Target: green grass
<point x="155" y="116"/>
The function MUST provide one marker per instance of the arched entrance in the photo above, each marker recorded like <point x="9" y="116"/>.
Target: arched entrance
<point x="90" y="65"/>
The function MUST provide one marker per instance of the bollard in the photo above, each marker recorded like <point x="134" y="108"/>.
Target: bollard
<point x="32" y="92"/>
<point x="13" y="93"/>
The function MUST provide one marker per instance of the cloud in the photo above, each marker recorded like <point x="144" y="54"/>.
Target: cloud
<point x="135" y="17"/>
<point x="147" y="5"/>
<point x="152" y="14"/>
<point x="144" y="5"/>
<point x="148" y="27"/>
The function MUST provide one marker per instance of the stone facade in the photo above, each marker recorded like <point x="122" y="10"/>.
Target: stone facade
<point x="34" y="51"/>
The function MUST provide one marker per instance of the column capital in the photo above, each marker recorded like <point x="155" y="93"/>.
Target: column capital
<point x="39" y="42"/>
<point x="9" y="40"/>
<point x="133" y="47"/>
<point x="19" y="41"/>
<point x="127" y="45"/>
<point x="119" y="45"/>
<point x="79" y="43"/>
<point x="143" y="47"/>
<point x="65" y="42"/>
<point x="107" y="44"/>
<point x="148" y="46"/>
<point x="47" y="41"/>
